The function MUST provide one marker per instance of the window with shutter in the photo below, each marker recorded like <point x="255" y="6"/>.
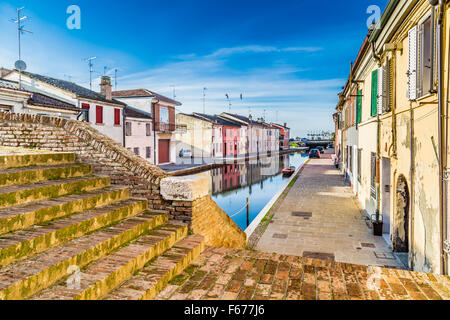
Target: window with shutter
<point x="374" y="103"/>
<point x="381" y="90"/>
<point x="99" y="115"/>
<point x="373" y="175"/>
<point x="117" y="117"/>
<point x="148" y="130"/>
<point x="412" y="64"/>
<point x="358" y="106"/>
<point x="128" y="129"/>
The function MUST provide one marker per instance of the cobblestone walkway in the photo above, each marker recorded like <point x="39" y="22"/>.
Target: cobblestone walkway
<point x="319" y="219"/>
<point x="229" y="274"/>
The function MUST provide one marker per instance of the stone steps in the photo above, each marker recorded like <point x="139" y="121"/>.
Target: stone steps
<point x="60" y="223"/>
<point x="27" y="277"/>
<point x="21" y="217"/>
<point x="17" y="195"/>
<point x="153" y="278"/>
<point x="21" y="244"/>
<point x="105" y="274"/>
<point x="38" y="159"/>
<point x="11" y="177"/>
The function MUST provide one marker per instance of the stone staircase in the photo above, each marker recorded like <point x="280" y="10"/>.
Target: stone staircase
<point x="66" y="233"/>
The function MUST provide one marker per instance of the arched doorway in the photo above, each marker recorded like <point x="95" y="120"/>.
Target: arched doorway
<point x="400" y="241"/>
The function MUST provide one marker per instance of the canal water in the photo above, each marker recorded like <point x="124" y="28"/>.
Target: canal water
<point x="258" y="180"/>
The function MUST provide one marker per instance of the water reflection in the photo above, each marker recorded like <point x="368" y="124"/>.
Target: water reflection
<point x="258" y="180"/>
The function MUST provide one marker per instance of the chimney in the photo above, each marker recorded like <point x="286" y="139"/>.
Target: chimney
<point x="106" y="88"/>
<point x="285" y="125"/>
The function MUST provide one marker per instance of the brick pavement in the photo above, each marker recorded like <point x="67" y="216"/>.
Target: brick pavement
<point x="229" y="274"/>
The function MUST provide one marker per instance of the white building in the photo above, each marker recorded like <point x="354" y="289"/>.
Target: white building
<point x="139" y="133"/>
<point x="100" y="109"/>
<point x="15" y="100"/>
<point x="164" y="127"/>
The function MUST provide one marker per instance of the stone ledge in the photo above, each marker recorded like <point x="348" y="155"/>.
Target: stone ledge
<point x="189" y="188"/>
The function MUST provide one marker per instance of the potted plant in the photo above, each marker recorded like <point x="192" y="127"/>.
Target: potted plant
<point x="377" y="224"/>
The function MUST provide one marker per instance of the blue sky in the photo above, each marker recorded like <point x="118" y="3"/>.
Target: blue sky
<point x="289" y="58"/>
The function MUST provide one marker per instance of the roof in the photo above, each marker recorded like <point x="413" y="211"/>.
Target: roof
<point x="39" y="99"/>
<point x="143" y="93"/>
<point x="131" y="112"/>
<point x="213" y="119"/>
<point x="8" y="84"/>
<point x="280" y="126"/>
<point x="80" y="91"/>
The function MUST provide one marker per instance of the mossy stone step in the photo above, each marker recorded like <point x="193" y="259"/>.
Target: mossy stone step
<point x="105" y="274"/>
<point x="22" y="217"/>
<point x="14" y="177"/>
<point x="18" y="195"/>
<point x="22" y="244"/>
<point x="25" y="278"/>
<point x="38" y="159"/>
<point x="153" y="278"/>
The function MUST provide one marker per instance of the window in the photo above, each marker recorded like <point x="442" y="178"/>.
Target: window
<point x="99" y="115"/>
<point x="421" y="44"/>
<point x="148" y="129"/>
<point x="373" y="176"/>
<point x="163" y="115"/>
<point x="148" y="152"/>
<point x="128" y="129"/>
<point x="358" y="106"/>
<point x="136" y="151"/>
<point x="117" y="117"/>
<point x="86" y="107"/>
<point x="374" y="100"/>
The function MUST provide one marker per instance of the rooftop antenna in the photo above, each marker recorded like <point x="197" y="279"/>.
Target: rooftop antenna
<point x="115" y="79"/>
<point x="229" y="102"/>
<point x="204" y="100"/>
<point x="105" y="68"/>
<point x="20" y="65"/>
<point x="174" y="95"/>
<point x="264" y="115"/>
<point x="89" y="60"/>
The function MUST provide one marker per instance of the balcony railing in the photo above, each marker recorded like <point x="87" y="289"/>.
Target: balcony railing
<point x="165" y="127"/>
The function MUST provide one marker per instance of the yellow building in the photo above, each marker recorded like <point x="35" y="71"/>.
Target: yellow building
<point x="399" y="160"/>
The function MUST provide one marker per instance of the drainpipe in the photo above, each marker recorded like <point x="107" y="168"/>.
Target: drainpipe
<point x="412" y="174"/>
<point x="154" y="129"/>
<point x="378" y="167"/>
<point x="442" y="139"/>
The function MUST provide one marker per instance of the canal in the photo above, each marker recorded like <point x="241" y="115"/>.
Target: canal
<point x="258" y="180"/>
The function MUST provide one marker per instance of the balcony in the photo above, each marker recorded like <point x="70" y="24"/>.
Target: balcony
<point x="165" y="127"/>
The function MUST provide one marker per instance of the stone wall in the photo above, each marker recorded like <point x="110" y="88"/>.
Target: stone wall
<point x="185" y="198"/>
<point x="90" y="146"/>
<point x="192" y="204"/>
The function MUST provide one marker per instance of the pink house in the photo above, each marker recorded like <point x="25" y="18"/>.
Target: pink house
<point x="231" y="138"/>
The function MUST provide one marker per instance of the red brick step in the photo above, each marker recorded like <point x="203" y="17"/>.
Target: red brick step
<point x="25" y="278"/>
<point x="22" y="244"/>
<point x="102" y="276"/>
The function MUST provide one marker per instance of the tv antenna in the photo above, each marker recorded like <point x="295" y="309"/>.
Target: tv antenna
<point x="204" y="100"/>
<point x="115" y="79"/>
<point x="91" y="65"/>
<point x="174" y="88"/>
<point x="229" y="101"/>
<point x="20" y="64"/>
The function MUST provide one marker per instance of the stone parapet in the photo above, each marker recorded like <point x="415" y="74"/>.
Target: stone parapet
<point x="90" y="146"/>
<point x="192" y="204"/>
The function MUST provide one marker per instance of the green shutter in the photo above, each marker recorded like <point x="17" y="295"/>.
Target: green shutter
<point x="374" y="109"/>
<point x="358" y="106"/>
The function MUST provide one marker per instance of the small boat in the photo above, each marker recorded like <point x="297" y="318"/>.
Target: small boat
<point x="288" y="171"/>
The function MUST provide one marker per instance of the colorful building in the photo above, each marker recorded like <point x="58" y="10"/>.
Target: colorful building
<point x="392" y="120"/>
